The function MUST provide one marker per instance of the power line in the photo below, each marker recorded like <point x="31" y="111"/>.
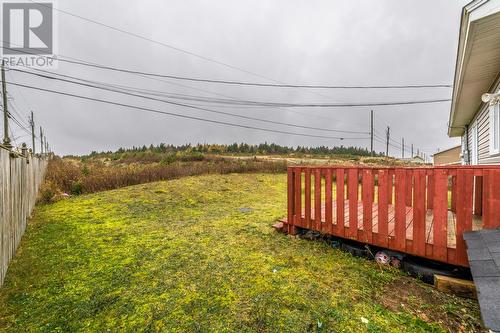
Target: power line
<point x="233" y="103"/>
<point x="20" y="124"/>
<point x="280" y="84"/>
<point x="180" y="115"/>
<point x="197" y="89"/>
<point x="257" y="84"/>
<point x="302" y="105"/>
<point x="17" y="113"/>
<point x="187" y="105"/>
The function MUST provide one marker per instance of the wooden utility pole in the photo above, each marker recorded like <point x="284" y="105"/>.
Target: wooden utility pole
<point x="403" y="148"/>
<point x="32" y="124"/>
<point x="371" y="132"/>
<point x="6" y="139"/>
<point x="388" y="137"/>
<point x="41" y="140"/>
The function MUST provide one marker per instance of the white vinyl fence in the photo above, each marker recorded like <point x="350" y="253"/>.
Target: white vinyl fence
<point x="20" y="178"/>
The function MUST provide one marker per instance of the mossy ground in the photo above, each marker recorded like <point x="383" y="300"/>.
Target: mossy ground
<point x="183" y="256"/>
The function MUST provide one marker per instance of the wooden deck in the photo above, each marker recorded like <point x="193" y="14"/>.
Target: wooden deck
<point x="429" y="221"/>
<point x="418" y="211"/>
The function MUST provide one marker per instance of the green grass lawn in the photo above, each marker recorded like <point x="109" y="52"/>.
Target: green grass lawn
<point x="185" y="256"/>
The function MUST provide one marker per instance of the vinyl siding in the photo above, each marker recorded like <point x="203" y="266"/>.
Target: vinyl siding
<point x="483" y="135"/>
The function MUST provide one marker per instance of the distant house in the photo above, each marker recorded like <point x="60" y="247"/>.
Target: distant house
<point x="477" y="71"/>
<point x="414" y="159"/>
<point x="451" y="156"/>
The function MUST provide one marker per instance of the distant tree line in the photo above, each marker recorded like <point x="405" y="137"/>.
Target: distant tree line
<point x="244" y="148"/>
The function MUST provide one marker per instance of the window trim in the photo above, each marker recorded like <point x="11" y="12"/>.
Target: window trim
<point x="474" y="152"/>
<point x="492" y="110"/>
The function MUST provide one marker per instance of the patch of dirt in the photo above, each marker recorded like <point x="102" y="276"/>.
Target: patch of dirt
<point x="454" y="313"/>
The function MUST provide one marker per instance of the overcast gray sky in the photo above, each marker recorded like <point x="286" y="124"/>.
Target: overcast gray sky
<point x="298" y="42"/>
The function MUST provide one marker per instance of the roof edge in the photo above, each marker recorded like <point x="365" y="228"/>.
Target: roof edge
<point x="463" y="33"/>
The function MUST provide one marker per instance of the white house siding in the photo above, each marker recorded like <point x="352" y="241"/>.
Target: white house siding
<point x="483" y="135"/>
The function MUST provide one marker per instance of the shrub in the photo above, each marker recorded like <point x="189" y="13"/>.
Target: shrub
<point x="77" y="187"/>
<point x="48" y="191"/>
<point x="67" y="175"/>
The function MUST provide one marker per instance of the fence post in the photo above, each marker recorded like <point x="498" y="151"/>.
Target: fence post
<point x="298" y="198"/>
<point x="464" y="202"/>
<point x="291" y="201"/>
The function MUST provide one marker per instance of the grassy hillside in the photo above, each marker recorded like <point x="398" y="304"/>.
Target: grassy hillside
<point x="197" y="254"/>
<point x="77" y="175"/>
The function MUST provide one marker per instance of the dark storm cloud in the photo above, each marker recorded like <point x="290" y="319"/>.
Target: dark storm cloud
<point x="312" y="42"/>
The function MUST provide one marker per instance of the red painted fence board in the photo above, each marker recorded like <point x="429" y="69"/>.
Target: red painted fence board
<point x="317" y="198"/>
<point x="328" y="201"/>
<point x="408" y="188"/>
<point x="383" y="205"/>
<point x="400" y="208"/>
<point x="419" y="213"/>
<point x="307" y="196"/>
<point x="492" y="198"/>
<point x="367" y="196"/>
<point x="352" y="192"/>
<point x="478" y="195"/>
<point x="440" y="203"/>
<point x="340" y="178"/>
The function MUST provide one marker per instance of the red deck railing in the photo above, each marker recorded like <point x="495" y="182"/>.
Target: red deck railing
<point x="419" y="211"/>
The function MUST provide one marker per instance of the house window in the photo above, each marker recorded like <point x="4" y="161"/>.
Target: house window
<point x="495" y="129"/>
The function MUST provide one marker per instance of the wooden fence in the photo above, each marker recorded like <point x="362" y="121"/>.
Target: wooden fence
<point x="20" y="178"/>
<point x="419" y="211"/>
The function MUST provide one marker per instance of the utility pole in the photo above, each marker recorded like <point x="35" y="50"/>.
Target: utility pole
<point x="403" y="148"/>
<point x="388" y="137"/>
<point x="32" y="123"/>
<point x="371" y="132"/>
<point x="41" y="140"/>
<point x="411" y="151"/>
<point x="6" y="140"/>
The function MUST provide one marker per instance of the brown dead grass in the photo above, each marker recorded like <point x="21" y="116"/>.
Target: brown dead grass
<point x="74" y="177"/>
